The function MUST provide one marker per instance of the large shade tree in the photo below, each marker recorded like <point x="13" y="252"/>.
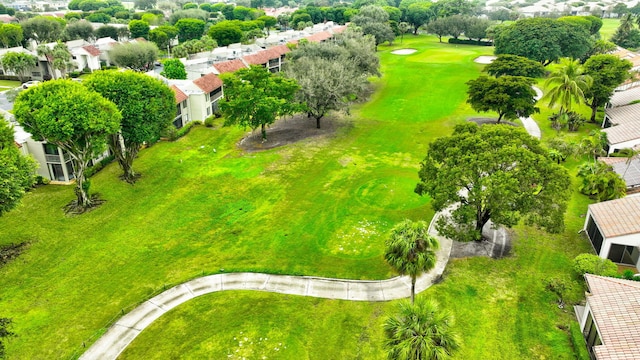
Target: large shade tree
<point x="66" y="114"/>
<point x="255" y="98"/>
<point x="493" y="172"/>
<point x="138" y="56"/>
<point x="510" y="96"/>
<point x="542" y="39"/>
<point x="147" y="106"/>
<point x="20" y="63"/>
<point x="420" y="331"/>
<point x="514" y="65"/>
<point x="16" y="170"/>
<point x="410" y="250"/>
<point x="607" y="72"/>
<point x="326" y="85"/>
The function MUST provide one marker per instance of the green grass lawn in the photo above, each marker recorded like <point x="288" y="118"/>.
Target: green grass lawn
<point x="319" y="207"/>
<point x="609" y="27"/>
<point x="8" y="84"/>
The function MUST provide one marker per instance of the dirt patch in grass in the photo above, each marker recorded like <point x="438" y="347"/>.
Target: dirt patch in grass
<point x="485" y="120"/>
<point x="291" y="130"/>
<point x="10" y="252"/>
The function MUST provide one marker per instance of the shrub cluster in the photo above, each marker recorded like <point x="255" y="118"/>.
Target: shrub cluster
<point x="470" y="42"/>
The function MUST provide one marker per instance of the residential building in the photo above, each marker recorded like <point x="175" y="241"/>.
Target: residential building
<point x="613" y="228"/>
<point x="610" y="319"/>
<point x="622" y="126"/>
<point x="628" y="169"/>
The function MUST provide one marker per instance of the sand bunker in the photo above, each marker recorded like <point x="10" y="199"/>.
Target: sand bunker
<point x="403" y="51"/>
<point x="484" y="59"/>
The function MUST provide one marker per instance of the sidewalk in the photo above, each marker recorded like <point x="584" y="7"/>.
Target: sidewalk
<point x="128" y="327"/>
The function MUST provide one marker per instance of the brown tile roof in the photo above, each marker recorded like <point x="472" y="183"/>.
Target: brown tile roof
<point x="612" y="160"/>
<point x="92" y="50"/>
<point x="280" y="50"/>
<point x="180" y="96"/>
<point x="259" y="58"/>
<point x="263" y="57"/>
<point x="319" y="37"/>
<point x="617" y="217"/>
<point x="229" y="66"/>
<point x="339" y="29"/>
<point x="208" y="83"/>
<point x="615" y="307"/>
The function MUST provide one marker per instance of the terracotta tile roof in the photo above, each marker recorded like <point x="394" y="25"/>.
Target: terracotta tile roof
<point x="259" y="58"/>
<point x="280" y="50"/>
<point x="208" y="83"/>
<point x="92" y="50"/>
<point x="339" y="29"/>
<point x="617" y="217"/>
<point x="615" y="307"/>
<point x="263" y="57"/>
<point x="180" y="96"/>
<point x="319" y="37"/>
<point x="229" y="66"/>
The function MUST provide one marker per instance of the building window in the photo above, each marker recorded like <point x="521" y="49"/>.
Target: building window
<point x="591" y="335"/>
<point x="208" y="111"/>
<point x="184" y="104"/>
<point x="594" y="235"/>
<point x="70" y="170"/>
<point x="36" y="74"/>
<point x="50" y="149"/>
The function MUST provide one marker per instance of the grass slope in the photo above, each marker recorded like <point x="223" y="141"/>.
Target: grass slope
<point x="502" y="309"/>
<point x="321" y="207"/>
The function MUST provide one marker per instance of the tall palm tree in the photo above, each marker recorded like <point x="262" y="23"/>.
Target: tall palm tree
<point x="566" y="85"/>
<point x="420" y="331"/>
<point x="411" y="250"/>
<point x="44" y="50"/>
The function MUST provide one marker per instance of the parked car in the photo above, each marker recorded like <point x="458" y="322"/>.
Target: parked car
<point x="29" y="84"/>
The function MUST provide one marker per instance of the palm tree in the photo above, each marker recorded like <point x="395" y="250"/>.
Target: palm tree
<point x="411" y="250"/>
<point x="420" y="331"/>
<point x="631" y="154"/>
<point x="44" y="50"/>
<point x="567" y="84"/>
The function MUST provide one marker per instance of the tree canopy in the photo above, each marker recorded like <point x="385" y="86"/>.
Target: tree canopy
<point x="139" y="29"/>
<point x="510" y="96"/>
<point x="225" y="33"/>
<point x="495" y="172"/>
<point x="19" y="63"/>
<point x="138" y="56"/>
<point x="10" y="35"/>
<point x="189" y="29"/>
<point x="173" y="69"/>
<point x="43" y="29"/>
<point x="372" y="20"/>
<point x="255" y="98"/>
<point x="64" y="113"/>
<point x="147" y="107"/>
<point x="16" y="170"/>
<point x="607" y="72"/>
<point x="542" y="39"/>
<point x="514" y="65"/>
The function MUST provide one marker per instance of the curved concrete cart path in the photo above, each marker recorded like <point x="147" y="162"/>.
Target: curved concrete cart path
<point x="122" y="333"/>
<point x="529" y="124"/>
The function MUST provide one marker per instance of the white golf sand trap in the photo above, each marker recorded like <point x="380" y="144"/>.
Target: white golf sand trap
<point x="403" y="51"/>
<point x="484" y="59"/>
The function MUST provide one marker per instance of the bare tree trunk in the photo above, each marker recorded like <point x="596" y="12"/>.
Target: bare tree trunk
<point x="83" y="200"/>
<point x="594" y="109"/>
<point x="413" y="289"/>
<point x="318" y="121"/>
<point x="264" y="133"/>
<point x="125" y="156"/>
